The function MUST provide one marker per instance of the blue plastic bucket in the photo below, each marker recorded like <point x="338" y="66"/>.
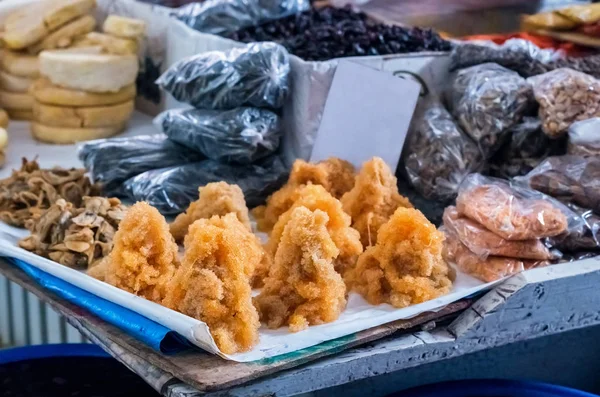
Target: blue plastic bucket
<point x="62" y="370"/>
<point x="492" y="388"/>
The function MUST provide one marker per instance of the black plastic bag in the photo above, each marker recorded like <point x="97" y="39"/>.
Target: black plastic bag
<point x="171" y="190"/>
<point x="225" y="16"/>
<point x="254" y="75"/>
<point x="112" y="161"/>
<point x="241" y="135"/>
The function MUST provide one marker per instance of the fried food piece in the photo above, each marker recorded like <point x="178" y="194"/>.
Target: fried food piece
<point x="28" y="192"/>
<point x="405" y="267"/>
<point x="303" y="287"/>
<point x="99" y="269"/>
<point x="75" y="237"/>
<point x="373" y="199"/>
<point x="499" y="210"/>
<point x="334" y="174"/>
<point x="490" y="269"/>
<point x="346" y="239"/>
<point x="144" y="255"/>
<point x="217" y="198"/>
<point x="484" y="243"/>
<point x="213" y="282"/>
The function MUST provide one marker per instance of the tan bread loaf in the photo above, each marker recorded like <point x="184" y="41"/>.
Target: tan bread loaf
<point x="15" y="100"/>
<point x="63" y="135"/>
<point x="12" y="83"/>
<point x="97" y="116"/>
<point x="89" y="72"/>
<point x="45" y="92"/>
<point x="3" y="138"/>
<point x="31" y="24"/>
<point x="20" y="115"/>
<point x="20" y="64"/>
<point x="128" y="28"/>
<point x="110" y="44"/>
<point x="63" y="37"/>
<point x="3" y="118"/>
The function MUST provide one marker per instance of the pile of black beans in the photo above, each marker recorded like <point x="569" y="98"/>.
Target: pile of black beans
<point x="329" y="32"/>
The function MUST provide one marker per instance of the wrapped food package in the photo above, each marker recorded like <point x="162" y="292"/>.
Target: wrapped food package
<point x="487" y="100"/>
<point x="223" y="16"/>
<point x="240" y="136"/>
<point x="439" y="155"/>
<point x="513" y="212"/>
<point x="111" y="162"/>
<point x="490" y="269"/>
<point x="485" y="243"/>
<point x="569" y="178"/>
<point x="525" y="148"/>
<point x="171" y="190"/>
<point x="519" y="55"/>
<point x="565" y="96"/>
<point x="584" y="137"/>
<point x="253" y="75"/>
<point x="583" y="238"/>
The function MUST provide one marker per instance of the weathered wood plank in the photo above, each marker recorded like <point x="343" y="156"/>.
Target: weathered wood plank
<point x="200" y="370"/>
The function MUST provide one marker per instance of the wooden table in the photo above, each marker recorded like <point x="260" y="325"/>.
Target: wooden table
<point x="536" y="303"/>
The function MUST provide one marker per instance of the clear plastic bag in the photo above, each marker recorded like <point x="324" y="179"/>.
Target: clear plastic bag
<point x="254" y="75"/>
<point x="570" y="179"/>
<point x="240" y="136"/>
<point x="490" y="269"/>
<point x="484" y="243"/>
<point x="584" y="238"/>
<point x="519" y="55"/>
<point x="112" y="161"/>
<point x="525" y="148"/>
<point x="487" y="100"/>
<point x="225" y="16"/>
<point x="513" y="212"/>
<point x="439" y="155"/>
<point x="565" y="96"/>
<point x="584" y="138"/>
<point x="171" y="190"/>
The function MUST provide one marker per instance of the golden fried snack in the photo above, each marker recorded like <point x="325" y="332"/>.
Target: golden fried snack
<point x="513" y="218"/>
<point x="144" y="255"/>
<point x="303" y="288"/>
<point x="335" y="175"/>
<point x="217" y="198"/>
<point x="99" y="269"/>
<point x="484" y="243"/>
<point x="346" y="239"/>
<point x="405" y="267"/>
<point x="373" y="199"/>
<point x="213" y="285"/>
<point x="491" y="269"/>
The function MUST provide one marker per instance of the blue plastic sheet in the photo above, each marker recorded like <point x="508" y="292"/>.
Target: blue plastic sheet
<point x="141" y="328"/>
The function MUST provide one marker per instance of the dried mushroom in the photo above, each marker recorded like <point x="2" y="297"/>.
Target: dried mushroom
<point x="28" y="192"/>
<point x="72" y="236"/>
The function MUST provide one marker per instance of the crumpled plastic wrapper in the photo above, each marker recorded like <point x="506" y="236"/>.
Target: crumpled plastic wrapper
<point x="584" y="138"/>
<point x="519" y="55"/>
<point x="77" y="237"/>
<point x="439" y="155"/>
<point x="240" y="136"/>
<point x="226" y="16"/>
<point x="111" y="162"/>
<point x="171" y="190"/>
<point x="569" y="178"/>
<point x="512" y="211"/>
<point x="565" y="96"/>
<point x="487" y="100"/>
<point x="525" y="148"/>
<point x="585" y="238"/>
<point x="253" y="75"/>
<point x="485" y="243"/>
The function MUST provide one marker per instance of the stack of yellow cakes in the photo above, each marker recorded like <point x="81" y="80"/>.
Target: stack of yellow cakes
<point x="87" y="91"/>
<point x="27" y="32"/>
